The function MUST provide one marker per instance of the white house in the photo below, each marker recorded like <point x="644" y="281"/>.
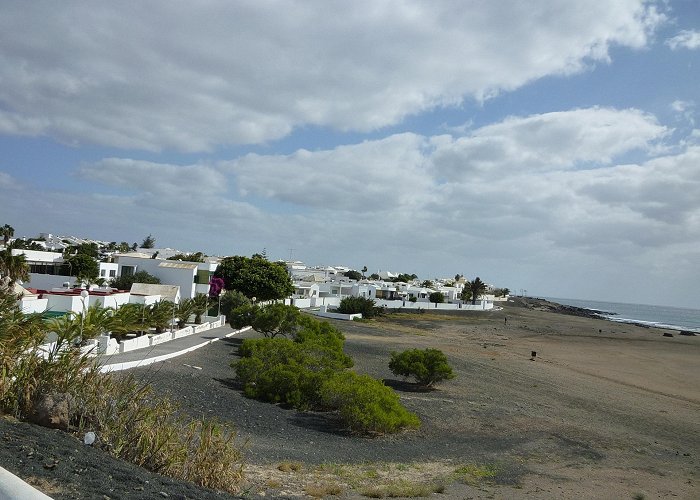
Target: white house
<point x="191" y="277"/>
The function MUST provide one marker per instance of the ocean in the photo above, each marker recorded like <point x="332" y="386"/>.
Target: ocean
<point x="676" y="318"/>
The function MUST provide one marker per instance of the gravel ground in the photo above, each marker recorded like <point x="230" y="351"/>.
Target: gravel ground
<point x="606" y="410"/>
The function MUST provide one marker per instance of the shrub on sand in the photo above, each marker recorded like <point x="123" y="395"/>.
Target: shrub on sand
<point x="365" y="404"/>
<point x="427" y="366"/>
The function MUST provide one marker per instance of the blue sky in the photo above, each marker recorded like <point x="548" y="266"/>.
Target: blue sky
<point x="551" y="145"/>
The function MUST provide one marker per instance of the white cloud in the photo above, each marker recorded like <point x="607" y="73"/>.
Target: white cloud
<point x="192" y="76"/>
<point x="685" y="110"/>
<point x="7" y="181"/>
<point x="549" y="177"/>
<point x="687" y="39"/>
<point x="172" y="182"/>
<point x="549" y="141"/>
<point x="388" y="172"/>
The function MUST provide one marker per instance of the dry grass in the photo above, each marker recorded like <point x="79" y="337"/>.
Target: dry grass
<point x="289" y="466"/>
<point x="404" y="489"/>
<point x="473" y="474"/>
<point x="319" y="490"/>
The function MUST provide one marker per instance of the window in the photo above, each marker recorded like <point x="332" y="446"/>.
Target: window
<point x="102" y="273"/>
<point x="128" y="270"/>
<point x="112" y="273"/>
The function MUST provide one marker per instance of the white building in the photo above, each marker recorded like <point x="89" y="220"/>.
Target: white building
<point x="191" y="277"/>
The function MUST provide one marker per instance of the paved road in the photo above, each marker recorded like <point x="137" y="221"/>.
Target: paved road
<point x="166" y="350"/>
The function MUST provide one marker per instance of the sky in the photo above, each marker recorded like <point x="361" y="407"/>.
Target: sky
<point x="548" y="146"/>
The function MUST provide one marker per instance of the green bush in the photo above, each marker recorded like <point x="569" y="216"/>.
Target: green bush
<point x="280" y="370"/>
<point x="427" y="366"/>
<point x="363" y="305"/>
<point x="436" y="297"/>
<point x="365" y="404"/>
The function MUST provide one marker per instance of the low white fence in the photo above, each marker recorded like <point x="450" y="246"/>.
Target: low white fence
<point x="107" y="345"/>
<point x="323" y="313"/>
<point x="481" y="305"/>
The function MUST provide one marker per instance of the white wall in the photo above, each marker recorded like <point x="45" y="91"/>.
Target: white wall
<point x="65" y="303"/>
<point x="33" y="305"/>
<point x="114" y="300"/>
<point x="184" y="278"/>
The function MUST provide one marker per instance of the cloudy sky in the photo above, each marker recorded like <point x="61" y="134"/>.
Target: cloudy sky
<point x="546" y="145"/>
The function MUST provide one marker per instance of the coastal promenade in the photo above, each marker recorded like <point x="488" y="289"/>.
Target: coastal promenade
<point x="165" y="350"/>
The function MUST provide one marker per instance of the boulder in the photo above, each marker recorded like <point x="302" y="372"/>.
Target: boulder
<point x="51" y="410"/>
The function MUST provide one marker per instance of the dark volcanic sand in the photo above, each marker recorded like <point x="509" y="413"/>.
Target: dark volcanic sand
<point x="606" y="410"/>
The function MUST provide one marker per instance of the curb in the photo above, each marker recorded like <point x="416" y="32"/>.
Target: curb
<point x="12" y="487"/>
<point x="126" y="365"/>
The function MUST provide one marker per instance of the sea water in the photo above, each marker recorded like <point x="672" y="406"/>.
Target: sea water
<point x="676" y="318"/>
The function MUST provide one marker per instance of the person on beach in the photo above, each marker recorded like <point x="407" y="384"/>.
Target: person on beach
<point x="505" y="320"/>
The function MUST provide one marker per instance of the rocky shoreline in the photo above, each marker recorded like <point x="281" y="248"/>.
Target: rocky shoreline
<point x="546" y="305"/>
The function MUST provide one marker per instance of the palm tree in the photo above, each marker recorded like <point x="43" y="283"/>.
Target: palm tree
<point x="13" y="266"/>
<point x="201" y="303"/>
<point x="19" y="334"/>
<point x="7" y="232"/>
<point x="161" y="315"/>
<point x="67" y="330"/>
<point x="184" y="310"/>
<point x="128" y="318"/>
<point x="96" y="321"/>
<point x="477" y="287"/>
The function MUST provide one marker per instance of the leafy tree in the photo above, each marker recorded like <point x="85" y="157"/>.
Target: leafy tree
<point x="7" y="232"/>
<point x="276" y="319"/>
<point x="501" y="292"/>
<point x="255" y="277"/>
<point x="89" y="249"/>
<point x="374" y="276"/>
<point x="427" y="366"/>
<point x="22" y="244"/>
<point x="124" y="247"/>
<point x="364" y="270"/>
<point x="188" y="257"/>
<point x="243" y="315"/>
<point x="403" y="278"/>
<point x="232" y="299"/>
<point x="353" y="275"/>
<point x="148" y="242"/>
<point x="458" y="277"/>
<point x="355" y="305"/>
<point x="84" y="267"/>
<point x="124" y="282"/>
<point x="477" y="288"/>
<point x="466" y="293"/>
<point x="436" y="297"/>
<point x="427" y="284"/>
<point x="14" y="267"/>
